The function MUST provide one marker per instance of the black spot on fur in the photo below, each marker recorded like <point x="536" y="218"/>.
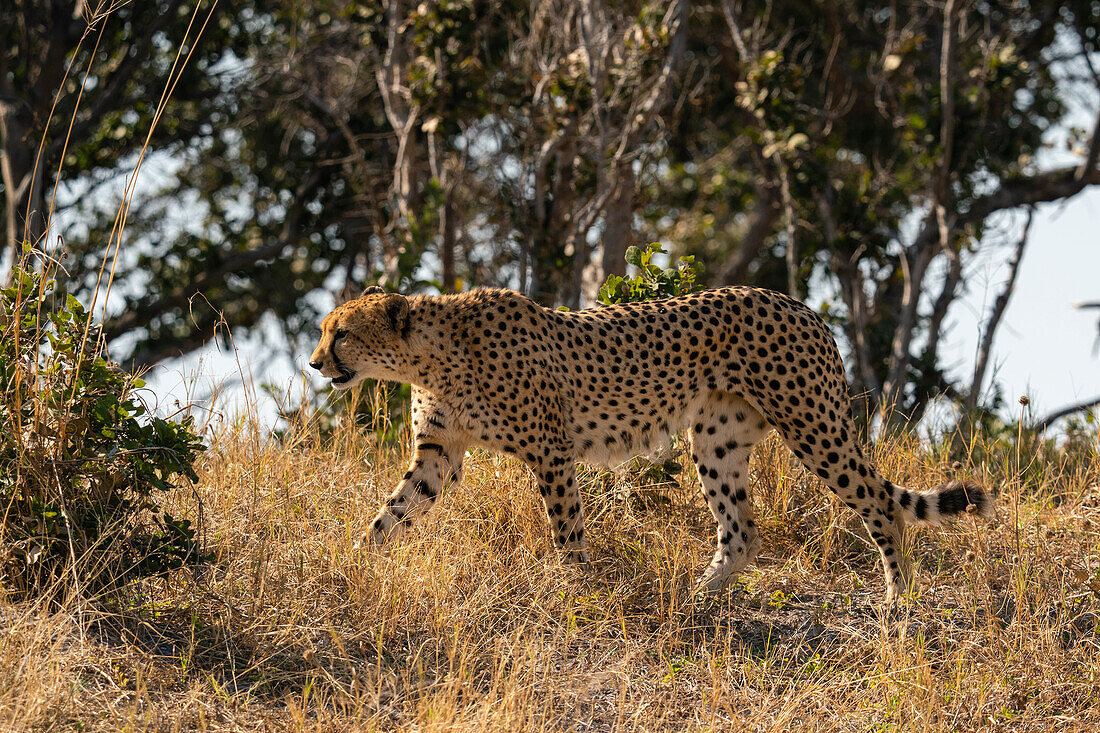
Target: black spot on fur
<point x="422" y="488"/>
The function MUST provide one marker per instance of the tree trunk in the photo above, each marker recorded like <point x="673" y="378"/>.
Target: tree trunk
<point x="914" y="266"/>
<point x="762" y="225"/>
<point x="24" y="212"/>
<point x="609" y="255"/>
<point x="403" y="117"/>
<point x="447" y="242"/>
<point x="550" y="258"/>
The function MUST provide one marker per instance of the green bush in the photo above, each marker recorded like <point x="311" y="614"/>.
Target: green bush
<point x="652" y="281"/>
<point x="82" y="461"/>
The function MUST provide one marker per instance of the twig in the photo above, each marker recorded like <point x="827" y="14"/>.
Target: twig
<point x="999" y="306"/>
<point x="792" y="228"/>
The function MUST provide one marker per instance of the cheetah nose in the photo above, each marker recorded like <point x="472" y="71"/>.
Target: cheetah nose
<point x="315" y="364"/>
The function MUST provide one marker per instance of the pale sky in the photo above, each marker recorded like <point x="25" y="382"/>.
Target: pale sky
<point x="1044" y="346"/>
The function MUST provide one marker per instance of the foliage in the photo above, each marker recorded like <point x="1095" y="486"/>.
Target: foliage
<point x="829" y="136"/>
<point x="86" y="80"/>
<point x="82" y="461"/>
<point x="651" y="281"/>
<point x="500" y="143"/>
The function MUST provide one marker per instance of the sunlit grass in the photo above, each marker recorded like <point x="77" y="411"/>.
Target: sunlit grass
<point x="473" y="625"/>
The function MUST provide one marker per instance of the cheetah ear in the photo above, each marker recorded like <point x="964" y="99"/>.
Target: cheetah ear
<point x="397" y="313"/>
<point x="372" y="290"/>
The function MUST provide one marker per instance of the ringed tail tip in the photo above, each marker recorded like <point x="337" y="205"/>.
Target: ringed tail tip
<point x="962" y="497"/>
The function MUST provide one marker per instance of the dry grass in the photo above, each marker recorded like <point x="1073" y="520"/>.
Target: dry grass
<point x="473" y="625"/>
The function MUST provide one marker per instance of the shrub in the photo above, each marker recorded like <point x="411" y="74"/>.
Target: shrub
<point x="82" y="461"/>
<point x="652" y="281"/>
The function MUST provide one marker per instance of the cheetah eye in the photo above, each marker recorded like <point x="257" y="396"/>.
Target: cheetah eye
<point x="340" y="334"/>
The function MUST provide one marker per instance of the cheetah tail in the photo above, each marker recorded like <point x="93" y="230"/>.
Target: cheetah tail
<point x="944" y="502"/>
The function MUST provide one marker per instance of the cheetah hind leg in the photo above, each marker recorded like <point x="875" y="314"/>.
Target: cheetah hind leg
<point x="725" y="430"/>
<point x="719" y="573"/>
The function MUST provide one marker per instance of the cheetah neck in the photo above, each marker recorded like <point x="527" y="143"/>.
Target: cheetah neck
<point x="430" y="345"/>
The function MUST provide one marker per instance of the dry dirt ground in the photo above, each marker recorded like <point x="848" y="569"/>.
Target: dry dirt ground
<point x="474" y="625"/>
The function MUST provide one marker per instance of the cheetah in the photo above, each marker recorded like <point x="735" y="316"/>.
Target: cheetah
<point x="491" y="368"/>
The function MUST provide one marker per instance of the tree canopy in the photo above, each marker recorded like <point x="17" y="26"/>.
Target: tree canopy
<point x="866" y="150"/>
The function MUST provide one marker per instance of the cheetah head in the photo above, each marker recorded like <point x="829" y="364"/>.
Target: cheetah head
<point x="364" y="338"/>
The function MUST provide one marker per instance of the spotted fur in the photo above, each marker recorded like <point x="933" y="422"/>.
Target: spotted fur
<point x="491" y="368"/>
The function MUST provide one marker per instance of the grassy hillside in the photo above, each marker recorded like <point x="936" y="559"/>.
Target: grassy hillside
<point x="473" y="625"/>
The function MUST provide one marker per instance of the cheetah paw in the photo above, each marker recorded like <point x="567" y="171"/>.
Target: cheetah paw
<point x="712" y="581"/>
<point x="575" y="557"/>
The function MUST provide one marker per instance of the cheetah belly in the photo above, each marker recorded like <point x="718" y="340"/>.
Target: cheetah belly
<point x="613" y="444"/>
<point x="633" y="415"/>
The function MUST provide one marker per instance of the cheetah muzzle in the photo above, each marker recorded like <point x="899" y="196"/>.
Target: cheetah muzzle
<point x="491" y="368"/>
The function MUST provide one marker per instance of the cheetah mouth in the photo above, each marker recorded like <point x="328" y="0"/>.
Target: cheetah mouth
<point x="346" y="375"/>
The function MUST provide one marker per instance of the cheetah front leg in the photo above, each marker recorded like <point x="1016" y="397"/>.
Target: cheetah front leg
<point x="557" y="478"/>
<point x="433" y="467"/>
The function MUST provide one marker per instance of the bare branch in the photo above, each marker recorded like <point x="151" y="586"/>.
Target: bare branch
<point x="615" y="178"/>
<point x="1089" y="163"/>
<point x="24" y="213"/>
<point x="761" y="225"/>
<point x="1051" y="185"/>
<point x="791" y="226"/>
<point x="643" y="112"/>
<point x="985" y="347"/>
<point x="549" y="149"/>
<point x="201" y="332"/>
<point x="852" y="290"/>
<point x="941" y="189"/>
<point x="947" y="295"/>
<point x="735" y="30"/>
<point x="1047" y="420"/>
<point x="915" y="262"/>
<point x="400" y="111"/>
<point x="854" y="294"/>
<point x="914" y="266"/>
